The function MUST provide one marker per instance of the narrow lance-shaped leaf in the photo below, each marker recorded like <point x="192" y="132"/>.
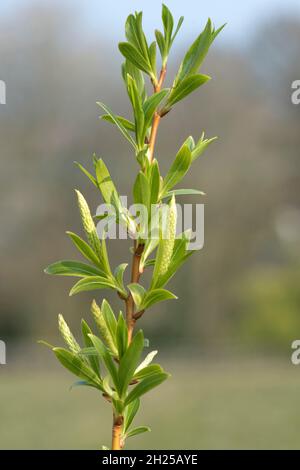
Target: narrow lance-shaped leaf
<point x="106" y="358"/>
<point x="73" y="268"/>
<point x="178" y="169"/>
<point x="92" y="283"/>
<point x="185" y="87"/>
<point x="93" y="361"/>
<point x="118" y="123"/>
<point x="84" y="248"/>
<point x="145" y="386"/>
<point x="77" y="366"/>
<point x="130" y="361"/>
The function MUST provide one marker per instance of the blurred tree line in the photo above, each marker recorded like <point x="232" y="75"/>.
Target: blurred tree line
<point x="242" y="289"/>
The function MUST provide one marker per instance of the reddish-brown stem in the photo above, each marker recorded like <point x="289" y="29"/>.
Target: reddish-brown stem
<point x="138" y="249"/>
<point x="156" y="118"/>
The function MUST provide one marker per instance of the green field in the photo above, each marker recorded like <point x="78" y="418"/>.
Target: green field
<point x="210" y="406"/>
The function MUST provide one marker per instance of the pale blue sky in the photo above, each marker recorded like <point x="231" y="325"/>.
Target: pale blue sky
<point x="102" y="16"/>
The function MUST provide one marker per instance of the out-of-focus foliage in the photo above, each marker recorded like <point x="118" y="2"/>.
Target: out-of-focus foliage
<point x="53" y="77"/>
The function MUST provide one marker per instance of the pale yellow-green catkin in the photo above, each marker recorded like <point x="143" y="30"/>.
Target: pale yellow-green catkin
<point x="88" y="223"/>
<point x="168" y="239"/>
<point x="67" y="335"/>
<point x="102" y="327"/>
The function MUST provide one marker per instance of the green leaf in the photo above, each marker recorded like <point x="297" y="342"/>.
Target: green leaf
<point x="129" y="69"/>
<point x="141" y="190"/>
<point x="109" y="317"/>
<point x="72" y="268"/>
<point x="185" y="87"/>
<point x="129" y="414"/>
<point x="196" y="53"/>
<point x="121" y="336"/>
<point x="118" y="123"/>
<point x="178" y="169"/>
<point x="84" y="248"/>
<point x="148" y="359"/>
<point x="130" y="361"/>
<point x="119" y="274"/>
<point x="147" y="371"/>
<point x="125" y="122"/>
<point x="183" y="192"/>
<point x="135" y="34"/>
<point x="133" y="55"/>
<point x="106" y="358"/>
<point x="137" y="430"/>
<point x="161" y="43"/>
<point x="154" y="182"/>
<point x="137" y="106"/>
<point x="180" y="21"/>
<point x="168" y="23"/>
<point x="106" y="185"/>
<point x="152" y="57"/>
<point x="151" y="105"/>
<point x="92" y="283"/>
<point x="138" y="292"/>
<point x="145" y="386"/>
<point x="201" y="146"/>
<point x="154" y="296"/>
<point x="86" y="331"/>
<point x="87" y="173"/>
<point x="77" y="366"/>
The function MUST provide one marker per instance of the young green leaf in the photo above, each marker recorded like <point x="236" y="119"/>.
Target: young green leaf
<point x="73" y="268"/>
<point x="129" y="69"/>
<point x="147" y="371"/>
<point x="145" y="386"/>
<point x="129" y="414"/>
<point x="133" y="55"/>
<point x="185" y="87"/>
<point x="148" y="359"/>
<point x="92" y="283"/>
<point x="139" y="118"/>
<point x="84" y="248"/>
<point x="77" y="366"/>
<point x="125" y="122"/>
<point x="87" y="173"/>
<point x="121" y="336"/>
<point x="106" y="185"/>
<point x="178" y="169"/>
<point x="154" y="183"/>
<point x="196" y="53"/>
<point x="138" y="292"/>
<point x="109" y="317"/>
<point x="151" y="105"/>
<point x="201" y="145"/>
<point x="154" y="296"/>
<point x="106" y="358"/>
<point x="183" y="192"/>
<point x="137" y="430"/>
<point x="86" y="331"/>
<point x="130" y="361"/>
<point x="118" y="123"/>
<point x="119" y="274"/>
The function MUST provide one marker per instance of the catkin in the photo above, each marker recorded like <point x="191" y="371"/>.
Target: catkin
<point x="102" y="327"/>
<point x="168" y="239"/>
<point x="67" y="335"/>
<point x="88" y="223"/>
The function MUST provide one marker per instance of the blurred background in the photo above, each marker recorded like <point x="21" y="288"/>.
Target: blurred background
<point x="227" y="340"/>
